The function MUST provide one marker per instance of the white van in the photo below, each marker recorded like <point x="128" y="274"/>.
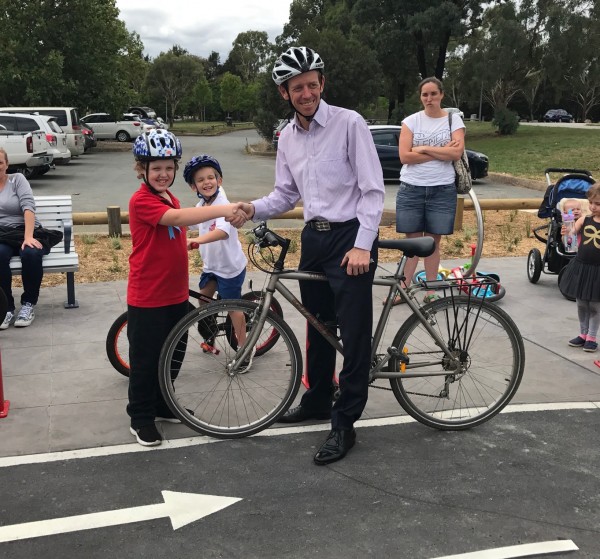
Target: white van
<point x="66" y="117"/>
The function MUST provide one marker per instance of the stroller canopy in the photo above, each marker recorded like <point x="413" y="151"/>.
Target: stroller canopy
<point x="569" y="186"/>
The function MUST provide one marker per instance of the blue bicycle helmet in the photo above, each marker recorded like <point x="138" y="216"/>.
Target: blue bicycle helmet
<point x="156" y="144"/>
<point x="197" y="162"/>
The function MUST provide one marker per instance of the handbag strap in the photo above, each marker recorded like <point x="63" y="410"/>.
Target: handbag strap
<point x="450" y="123"/>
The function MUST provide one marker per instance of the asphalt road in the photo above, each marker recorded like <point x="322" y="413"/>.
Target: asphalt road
<point x="102" y="178"/>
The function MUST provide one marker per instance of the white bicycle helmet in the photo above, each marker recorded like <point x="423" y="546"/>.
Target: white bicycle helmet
<point x="157" y="144"/>
<point x="296" y="61"/>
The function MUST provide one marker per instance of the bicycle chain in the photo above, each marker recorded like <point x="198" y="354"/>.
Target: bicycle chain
<point x="413" y="393"/>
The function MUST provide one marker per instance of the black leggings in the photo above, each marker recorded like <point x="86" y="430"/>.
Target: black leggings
<point x="147" y="330"/>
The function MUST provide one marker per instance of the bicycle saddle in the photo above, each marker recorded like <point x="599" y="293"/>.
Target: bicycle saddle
<point x="423" y="246"/>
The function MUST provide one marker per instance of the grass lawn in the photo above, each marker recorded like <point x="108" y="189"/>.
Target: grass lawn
<point x="524" y="154"/>
<point x="534" y="148"/>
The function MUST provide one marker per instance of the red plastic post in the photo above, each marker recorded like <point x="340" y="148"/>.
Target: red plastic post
<point x="4" y="404"/>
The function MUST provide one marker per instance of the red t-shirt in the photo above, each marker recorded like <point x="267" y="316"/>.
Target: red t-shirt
<point x="158" y="265"/>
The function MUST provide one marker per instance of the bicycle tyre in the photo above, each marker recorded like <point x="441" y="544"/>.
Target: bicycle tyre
<point x="117" y="345"/>
<point x="229" y="405"/>
<point x="492" y="352"/>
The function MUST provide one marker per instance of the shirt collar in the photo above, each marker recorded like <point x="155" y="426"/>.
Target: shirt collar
<point x="321" y="116"/>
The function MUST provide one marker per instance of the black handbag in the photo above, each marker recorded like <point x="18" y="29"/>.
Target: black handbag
<point x="14" y="236"/>
<point x="463" y="180"/>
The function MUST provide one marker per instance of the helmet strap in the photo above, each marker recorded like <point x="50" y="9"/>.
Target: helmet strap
<point x="210" y="199"/>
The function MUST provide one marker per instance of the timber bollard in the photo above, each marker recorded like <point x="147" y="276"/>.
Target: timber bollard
<point x="114" y="221"/>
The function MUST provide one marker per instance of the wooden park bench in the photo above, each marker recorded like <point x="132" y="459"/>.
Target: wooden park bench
<point x="56" y="212"/>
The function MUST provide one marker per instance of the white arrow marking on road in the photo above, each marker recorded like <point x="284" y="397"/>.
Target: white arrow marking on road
<point x="515" y="551"/>
<point x="181" y="508"/>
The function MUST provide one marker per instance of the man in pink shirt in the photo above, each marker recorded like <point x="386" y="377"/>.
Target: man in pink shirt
<point x="327" y="158"/>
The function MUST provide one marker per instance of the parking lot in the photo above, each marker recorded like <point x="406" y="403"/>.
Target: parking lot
<point x="102" y="178"/>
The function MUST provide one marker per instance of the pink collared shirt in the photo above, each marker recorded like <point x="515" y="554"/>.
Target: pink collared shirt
<point x="333" y="167"/>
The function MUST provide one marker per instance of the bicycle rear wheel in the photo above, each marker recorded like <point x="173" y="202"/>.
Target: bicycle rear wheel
<point x="490" y="348"/>
<point x="117" y="345"/>
<point x="229" y="404"/>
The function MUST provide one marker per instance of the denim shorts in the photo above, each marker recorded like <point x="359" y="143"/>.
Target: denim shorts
<point x="425" y="209"/>
<point x="228" y="288"/>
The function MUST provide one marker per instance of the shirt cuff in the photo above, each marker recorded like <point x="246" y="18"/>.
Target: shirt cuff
<point x="365" y="238"/>
<point x="260" y="210"/>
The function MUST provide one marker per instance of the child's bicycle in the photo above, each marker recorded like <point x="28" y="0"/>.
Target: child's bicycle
<point x="117" y="344"/>
<point x="491" y="291"/>
<point x="453" y="364"/>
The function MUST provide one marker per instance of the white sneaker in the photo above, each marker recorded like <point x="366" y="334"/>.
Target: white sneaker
<point x="25" y="316"/>
<point x="7" y="320"/>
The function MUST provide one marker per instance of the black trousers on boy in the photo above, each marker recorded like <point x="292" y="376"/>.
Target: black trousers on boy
<point x="347" y="300"/>
<point x="147" y="330"/>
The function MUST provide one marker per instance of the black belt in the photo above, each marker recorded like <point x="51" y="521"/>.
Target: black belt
<point x="322" y="225"/>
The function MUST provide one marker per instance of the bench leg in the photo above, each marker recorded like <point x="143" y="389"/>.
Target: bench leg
<point x="71" y="302"/>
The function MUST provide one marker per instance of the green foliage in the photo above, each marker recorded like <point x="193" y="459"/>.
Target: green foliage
<point x="64" y="53"/>
<point x="231" y="92"/>
<point x="506" y="121"/>
<point x="249" y="54"/>
<point x="172" y="76"/>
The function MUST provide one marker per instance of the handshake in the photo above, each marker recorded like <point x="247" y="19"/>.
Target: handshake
<point x="237" y="214"/>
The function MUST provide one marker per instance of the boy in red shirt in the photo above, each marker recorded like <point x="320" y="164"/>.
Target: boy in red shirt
<point x="157" y="291"/>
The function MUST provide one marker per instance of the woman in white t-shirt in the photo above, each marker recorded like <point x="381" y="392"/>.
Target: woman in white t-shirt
<point x="426" y="199"/>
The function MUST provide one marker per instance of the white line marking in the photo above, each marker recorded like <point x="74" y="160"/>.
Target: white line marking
<point x="181" y="508"/>
<point x="273" y="432"/>
<point x="514" y="551"/>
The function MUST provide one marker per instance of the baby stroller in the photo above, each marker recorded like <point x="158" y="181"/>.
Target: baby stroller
<point x="573" y="184"/>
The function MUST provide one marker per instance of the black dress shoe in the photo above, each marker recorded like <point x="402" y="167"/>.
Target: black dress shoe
<point x="298" y="414"/>
<point x="337" y="445"/>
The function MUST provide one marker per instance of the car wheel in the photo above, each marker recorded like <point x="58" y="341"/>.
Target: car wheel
<point x="123" y="136"/>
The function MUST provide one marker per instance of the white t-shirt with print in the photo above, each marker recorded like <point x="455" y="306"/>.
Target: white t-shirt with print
<point x="225" y="258"/>
<point x="435" y="132"/>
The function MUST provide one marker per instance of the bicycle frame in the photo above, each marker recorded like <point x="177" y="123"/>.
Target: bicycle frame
<point x="394" y="283"/>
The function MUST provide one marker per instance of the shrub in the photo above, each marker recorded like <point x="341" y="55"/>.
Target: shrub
<point x="506" y="121"/>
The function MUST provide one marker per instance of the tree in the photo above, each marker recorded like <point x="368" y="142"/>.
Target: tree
<point x="231" y="92"/>
<point x="199" y="98"/>
<point x="46" y="55"/>
<point x="174" y="76"/>
<point x="249" y="54"/>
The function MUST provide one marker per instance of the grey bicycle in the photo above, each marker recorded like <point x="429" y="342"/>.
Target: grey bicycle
<point x="453" y="363"/>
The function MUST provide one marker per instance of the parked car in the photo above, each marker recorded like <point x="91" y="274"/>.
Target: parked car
<point x="56" y="139"/>
<point x="558" y="115"/>
<point x="66" y="117"/>
<point x="144" y="112"/>
<point x="277" y="130"/>
<point x="88" y="136"/>
<point x="387" y="137"/>
<point x="107" y="127"/>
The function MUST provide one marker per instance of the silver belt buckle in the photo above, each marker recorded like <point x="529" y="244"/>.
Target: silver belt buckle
<point x="322" y="226"/>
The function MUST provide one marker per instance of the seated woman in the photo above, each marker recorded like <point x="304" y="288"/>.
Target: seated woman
<point x="18" y="221"/>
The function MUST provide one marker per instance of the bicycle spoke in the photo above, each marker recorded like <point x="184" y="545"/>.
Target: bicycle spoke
<point x="485" y="342"/>
<point x="227" y="403"/>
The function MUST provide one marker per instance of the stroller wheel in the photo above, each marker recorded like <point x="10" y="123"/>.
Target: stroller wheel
<point x="534" y="265"/>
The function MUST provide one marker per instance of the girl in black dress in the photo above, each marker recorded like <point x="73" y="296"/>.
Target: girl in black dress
<point x="581" y="278"/>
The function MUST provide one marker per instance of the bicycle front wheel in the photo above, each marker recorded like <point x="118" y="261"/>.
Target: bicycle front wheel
<point x="489" y="347"/>
<point x="210" y="398"/>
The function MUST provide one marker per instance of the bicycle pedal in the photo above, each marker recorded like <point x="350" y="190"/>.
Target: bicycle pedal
<point x="206" y="348"/>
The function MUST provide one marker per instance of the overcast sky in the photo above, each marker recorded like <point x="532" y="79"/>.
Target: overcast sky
<point x="201" y="27"/>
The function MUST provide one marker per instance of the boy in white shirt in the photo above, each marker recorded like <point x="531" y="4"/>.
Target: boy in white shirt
<point x="224" y="261"/>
